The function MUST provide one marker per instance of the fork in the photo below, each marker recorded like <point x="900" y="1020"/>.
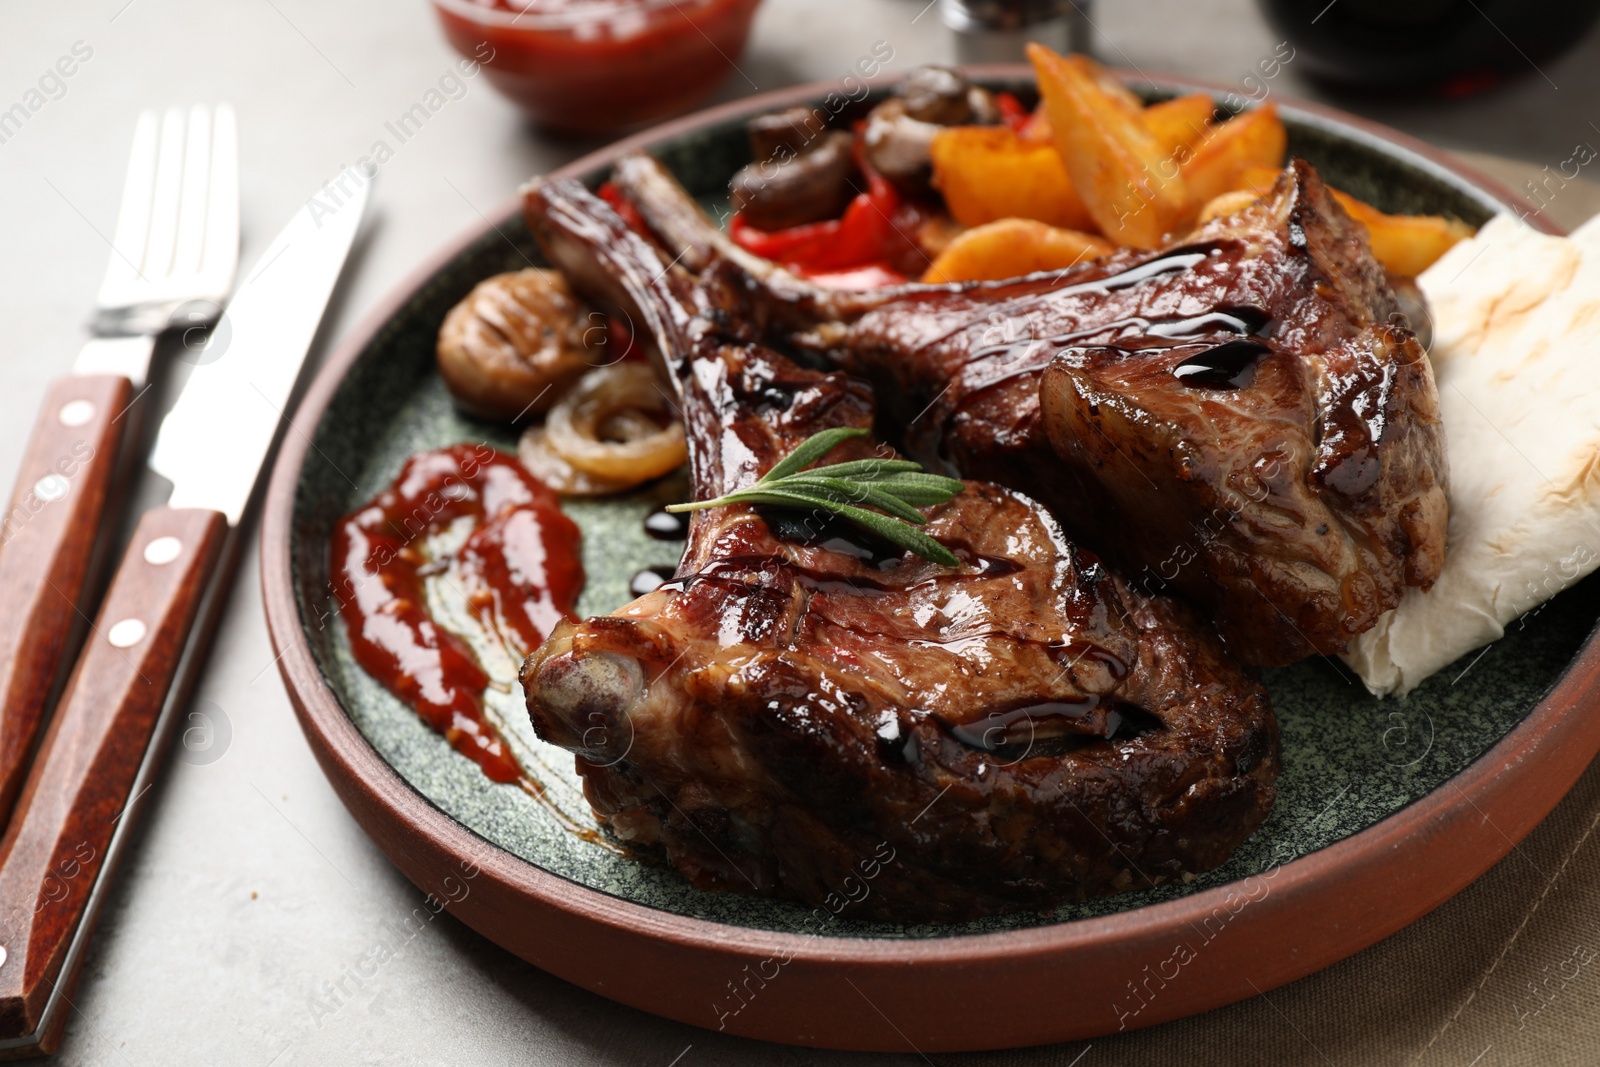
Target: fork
<point x="172" y="264"/>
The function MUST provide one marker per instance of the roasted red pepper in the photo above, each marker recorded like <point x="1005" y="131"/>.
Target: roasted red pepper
<point x="855" y="250"/>
<point x="623" y="206"/>
<point x="1012" y="113"/>
<point x="859" y="250"/>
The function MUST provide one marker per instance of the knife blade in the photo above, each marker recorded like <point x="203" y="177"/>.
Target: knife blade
<point x="241" y="396"/>
<point x="60" y="850"/>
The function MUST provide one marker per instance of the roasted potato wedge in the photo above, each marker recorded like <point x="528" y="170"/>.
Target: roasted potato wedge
<point x="1180" y="123"/>
<point x="1406" y="245"/>
<point x="1251" y="138"/>
<point x="1257" y="178"/>
<point x="1226" y="204"/>
<point x="1108" y="83"/>
<point x="1010" y="248"/>
<point x="1134" y="192"/>
<point x="989" y="172"/>
<point x="1037" y="129"/>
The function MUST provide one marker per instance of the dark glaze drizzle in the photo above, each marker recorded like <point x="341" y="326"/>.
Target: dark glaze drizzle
<point x="827" y="531"/>
<point x="1073" y="653"/>
<point x="1181" y="258"/>
<point x="1230" y="365"/>
<point x="1089" y="717"/>
<point x="991" y="365"/>
<point x="649" y="579"/>
<point x="1177" y="259"/>
<point x="1028" y="356"/>
<point x="519" y="569"/>
<point x="1054" y="727"/>
<point x="894" y="744"/>
<point x="1023" y="726"/>
<point x="666" y="525"/>
<point x="1244" y="320"/>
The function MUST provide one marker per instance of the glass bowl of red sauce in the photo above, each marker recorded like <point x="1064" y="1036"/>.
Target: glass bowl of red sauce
<point x="598" y="66"/>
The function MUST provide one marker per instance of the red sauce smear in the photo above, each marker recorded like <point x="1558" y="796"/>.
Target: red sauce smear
<point x="519" y="569"/>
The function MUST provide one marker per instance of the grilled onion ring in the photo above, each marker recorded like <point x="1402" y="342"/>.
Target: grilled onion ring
<point x="546" y="464"/>
<point x="580" y="423"/>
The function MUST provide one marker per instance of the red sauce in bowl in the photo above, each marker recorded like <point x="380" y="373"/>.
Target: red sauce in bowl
<point x="595" y="66"/>
<point x="518" y="569"/>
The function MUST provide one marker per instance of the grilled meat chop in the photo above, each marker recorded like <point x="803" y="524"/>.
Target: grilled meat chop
<point x="1238" y="418"/>
<point x="806" y="714"/>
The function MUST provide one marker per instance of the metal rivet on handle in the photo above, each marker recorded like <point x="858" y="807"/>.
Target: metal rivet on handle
<point x="75" y="413"/>
<point x="126" y="633"/>
<point x="50" y="488"/>
<point x="162" y="550"/>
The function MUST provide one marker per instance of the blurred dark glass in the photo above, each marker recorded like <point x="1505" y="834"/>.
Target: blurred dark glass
<point x="1451" y="47"/>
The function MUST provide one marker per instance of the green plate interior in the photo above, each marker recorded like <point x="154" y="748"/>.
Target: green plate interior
<point x="1349" y="760"/>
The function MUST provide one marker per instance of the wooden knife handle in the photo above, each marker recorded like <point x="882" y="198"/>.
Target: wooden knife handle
<point x="78" y="786"/>
<point x="47" y="539"/>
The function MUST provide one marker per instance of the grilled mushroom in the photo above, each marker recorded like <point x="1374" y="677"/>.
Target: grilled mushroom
<point x="792" y="190"/>
<point x="508" y="348"/>
<point x="900" y="130"/>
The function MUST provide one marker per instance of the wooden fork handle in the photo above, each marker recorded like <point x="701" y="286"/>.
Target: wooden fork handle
<point x="47" y="539"/>
<point x="78" y="786"/>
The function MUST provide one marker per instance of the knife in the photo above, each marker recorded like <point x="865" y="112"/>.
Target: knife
<point x="172" y="262"/>
<point x="103" y="746"/>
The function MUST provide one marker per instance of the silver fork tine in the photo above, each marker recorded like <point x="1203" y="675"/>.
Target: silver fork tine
<point x="192" y="206"/>
<point x="164" y="206"/>
<point x="221" y="256"/>
<point x="133" y="217"/>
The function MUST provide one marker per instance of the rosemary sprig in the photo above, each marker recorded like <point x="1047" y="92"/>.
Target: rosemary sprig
<point x="896" y="486"/>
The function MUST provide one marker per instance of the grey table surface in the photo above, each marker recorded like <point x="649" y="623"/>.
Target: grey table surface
<point x="251" y="894"/>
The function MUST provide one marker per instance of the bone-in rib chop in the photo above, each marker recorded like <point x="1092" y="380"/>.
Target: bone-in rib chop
<point x="1236" y="418"/>
<point x="805" y="713"/>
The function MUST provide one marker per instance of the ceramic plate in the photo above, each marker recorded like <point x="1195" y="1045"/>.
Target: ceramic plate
<point x="1385" y="808"/>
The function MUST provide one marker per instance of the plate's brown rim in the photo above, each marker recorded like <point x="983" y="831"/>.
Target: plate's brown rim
<point x="1452" y="835"/>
